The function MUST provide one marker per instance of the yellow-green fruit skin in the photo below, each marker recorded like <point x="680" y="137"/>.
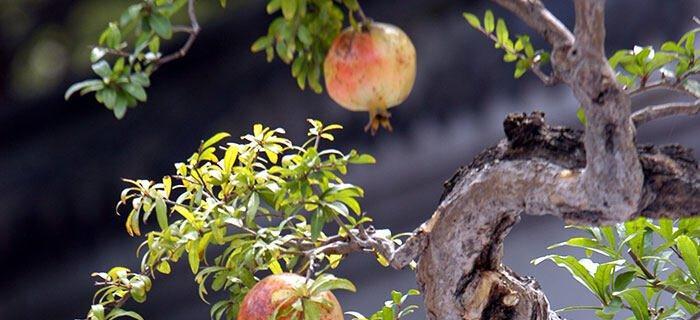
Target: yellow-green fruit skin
<point x="371" y="69"/>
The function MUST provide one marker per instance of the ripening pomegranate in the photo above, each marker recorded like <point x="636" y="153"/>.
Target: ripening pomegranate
<point x="371" y="69"/>
<point x="267" y="295"/>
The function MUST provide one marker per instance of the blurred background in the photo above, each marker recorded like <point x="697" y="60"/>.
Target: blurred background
<point x="61" y="162"/>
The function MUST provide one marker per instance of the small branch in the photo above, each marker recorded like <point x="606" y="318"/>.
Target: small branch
<point x="661" y="85"/>
<point x="193" y="31"/>
<point x="535" y="15"/>
<point x="652" y="113"/>
<point x="183" y="29"/>
<point x="111" y="51"/>
<point x="653" y="281"/>
<point x="548" y="80"/>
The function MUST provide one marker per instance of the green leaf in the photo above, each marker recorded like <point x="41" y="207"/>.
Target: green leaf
<point x="120" y="313"/>
<point x="304" y="35"/>
<point x="120" y="106"/>
<point x="289" y="8"/>
<point x="581" y="115"/>
<point x="501" y="31"/>
<point x="575" y="268"/>
<point x="623" y="280"/>
<point x="672" y="46"/>
<point x="275" y="267"/>
<point x="252" y="209"/>
<point x="214" y="139"/>
<point x="272" y="6"/>
<point x="689" y="252"/>
<point x="186" y="214"/>
<point x="102" y="69"/>
<point x="327" y="282"/>
<point x="636" y="301"/>
<point x="666" y="228"/>
<point x="311" y="309"/>
<point x="97" y="311"/>
<point x="154" y="45"/>
<point x="163" y="267"/>
<point x="93" y="84"/>
<point x="161" y="213"/>
<point x="135" y="91"/>
<point x="161" y="25"/>
<point x="261" y="43"/>
<point x="387" y="313"/>
<point x="586" y="243"/>
<point x="472" y="20"/>
<point x="193" y="257"/>
<point x="140" y="79"/>
<point x="317" y="222"/>
<point x="488" y="21"/>
<point x="362" y="159"/>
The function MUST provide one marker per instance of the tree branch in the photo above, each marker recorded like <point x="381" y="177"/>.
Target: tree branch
<point x="662" y="84"/>
<point x="652" y="113"/>
<point x="654" y="282"/>
<point x="548" y="80"/>
<point x="193" y="31"/>
<point x="534" y="14"/>
<point x="535" y="171"/>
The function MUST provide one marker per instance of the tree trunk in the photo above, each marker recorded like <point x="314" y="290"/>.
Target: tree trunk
<point x="592" y="178"/>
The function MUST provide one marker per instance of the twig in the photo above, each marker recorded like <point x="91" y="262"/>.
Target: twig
<point x="548" y="80"/>
<point x="111" y="51"/>
<point x="661" y="85"/>
<point x="653" y="281"/>
<point x="193" y="31"/>
<point x="651" y="113"/>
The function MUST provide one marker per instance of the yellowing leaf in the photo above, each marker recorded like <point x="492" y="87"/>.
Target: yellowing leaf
<point x="185" y="213"/>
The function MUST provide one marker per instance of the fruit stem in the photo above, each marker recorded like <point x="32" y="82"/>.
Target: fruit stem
<point x="366" y="22"/>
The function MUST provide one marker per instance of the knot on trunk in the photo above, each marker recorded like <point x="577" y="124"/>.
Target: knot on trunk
<point x="522" y="129"/>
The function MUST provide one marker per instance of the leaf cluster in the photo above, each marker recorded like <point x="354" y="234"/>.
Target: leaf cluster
<point x="128" y="51"/>
<point x="302" y="34"/>
<point x="520" y="51"/>
<point x="262" y="205"/>
<point x="673" y="62"/>
<point x="393" y="309"/>
<point x="630" y="267"/>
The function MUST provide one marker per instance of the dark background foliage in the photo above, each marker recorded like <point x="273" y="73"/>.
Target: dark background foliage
<point x="60" y="162"/>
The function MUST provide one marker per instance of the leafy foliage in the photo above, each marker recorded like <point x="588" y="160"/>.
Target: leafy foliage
<point x="393" y="309"/>
<point x="302" y="35"/>
<point x="129" y="49"/>
<point x="134" y="43"/>
<point x="630" y="267"/>
<point x="519" y="51"/>
<point x="265" y="206"/>
<point x="675" y="62"/>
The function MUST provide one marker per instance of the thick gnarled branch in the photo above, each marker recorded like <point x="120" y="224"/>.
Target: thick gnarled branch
<point x="531" y="172"/>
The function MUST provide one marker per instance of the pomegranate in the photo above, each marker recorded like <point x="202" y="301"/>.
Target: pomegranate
<point x="282" y="290"/>
<point x="371" y="69"/>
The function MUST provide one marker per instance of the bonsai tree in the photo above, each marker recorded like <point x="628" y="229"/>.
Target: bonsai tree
<point x="266" y="220"/>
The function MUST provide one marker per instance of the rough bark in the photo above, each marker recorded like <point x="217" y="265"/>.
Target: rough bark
<point x="460" y="267"/>
<point x="599" y="177"/>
